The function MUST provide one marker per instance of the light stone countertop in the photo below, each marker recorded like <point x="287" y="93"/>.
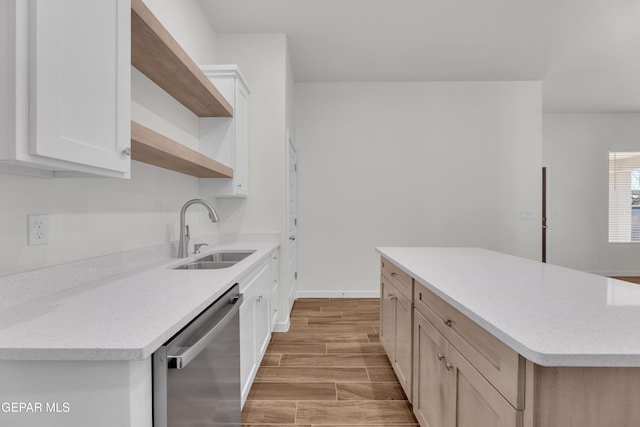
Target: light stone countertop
<point x="117" y="307"/>
<point x="551" y="315"/>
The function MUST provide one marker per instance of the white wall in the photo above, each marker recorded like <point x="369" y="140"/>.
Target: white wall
<point x="91" y="217"/>
<point x="262" y="59"/>
<point x="291" y="91"/>
<point x="576" y="151"/>
<point x="406" y="164"/>
<point x="188" y="24"/>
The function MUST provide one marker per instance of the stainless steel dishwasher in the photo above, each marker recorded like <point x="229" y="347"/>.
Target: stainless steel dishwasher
<point x="196" y="374"/>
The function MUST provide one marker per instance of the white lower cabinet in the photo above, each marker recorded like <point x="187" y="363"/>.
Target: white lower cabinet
<point x="77" y="393"/>
<point x="256" y="320"/>
<point x="263" y="319"/>
<point x="247" y="347"/>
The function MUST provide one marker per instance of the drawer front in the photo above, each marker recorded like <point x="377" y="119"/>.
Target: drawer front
<point x="398" y="278"/>
<point x="499" y="364"/>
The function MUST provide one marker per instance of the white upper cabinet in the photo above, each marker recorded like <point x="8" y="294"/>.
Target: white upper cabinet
<point x="226" y="138"/>
<point x="66" y="74"/>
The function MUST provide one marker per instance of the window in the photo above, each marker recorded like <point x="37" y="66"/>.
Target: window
<point x="624" y="196"/>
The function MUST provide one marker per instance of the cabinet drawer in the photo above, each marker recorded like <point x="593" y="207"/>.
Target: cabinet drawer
<point x="499" y="364"/>
<point x="398" y="278"/>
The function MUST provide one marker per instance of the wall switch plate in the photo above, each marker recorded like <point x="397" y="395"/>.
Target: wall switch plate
<point x="38" y="229"/>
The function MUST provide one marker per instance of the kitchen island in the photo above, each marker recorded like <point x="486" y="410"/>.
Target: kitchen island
<point x="498" y="340"/>
<point x="76" y="340"/>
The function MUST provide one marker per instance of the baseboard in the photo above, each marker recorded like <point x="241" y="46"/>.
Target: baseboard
<point x="338" y="294"/>
<point x="282" y="326"/>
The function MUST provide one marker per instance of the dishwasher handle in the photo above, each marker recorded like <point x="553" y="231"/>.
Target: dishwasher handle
<point x="181" y="357"/>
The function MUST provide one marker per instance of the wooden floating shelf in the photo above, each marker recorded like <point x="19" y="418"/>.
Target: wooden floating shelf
<point x="159" y="56"/>
<point x="151" y="147"/>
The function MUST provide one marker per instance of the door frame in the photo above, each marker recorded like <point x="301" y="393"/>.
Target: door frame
<point x="291" y="286"/>
<point x="545" y="217"/>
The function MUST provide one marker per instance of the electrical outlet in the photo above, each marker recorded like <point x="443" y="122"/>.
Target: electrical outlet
<point x="38" y="229"/>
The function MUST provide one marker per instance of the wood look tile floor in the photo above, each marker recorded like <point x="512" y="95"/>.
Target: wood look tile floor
<point x="329" y="369"/>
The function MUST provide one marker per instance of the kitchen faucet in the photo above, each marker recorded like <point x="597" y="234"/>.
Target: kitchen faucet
<point x="183" y="247"/>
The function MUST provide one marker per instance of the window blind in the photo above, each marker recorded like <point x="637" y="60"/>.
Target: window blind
<point x="624" y="196"/>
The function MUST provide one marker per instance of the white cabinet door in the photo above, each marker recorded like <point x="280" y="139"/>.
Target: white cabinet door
<point x="263" y="318"/>
<point x="226" y="139"/>
<point x="79" y="64"/>
<point x="255" y="325"/>
<point x="70" y="65"/>
<point x="248" y="364"/>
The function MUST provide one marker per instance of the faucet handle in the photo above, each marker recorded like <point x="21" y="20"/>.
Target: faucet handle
<point x="197" y="246"/>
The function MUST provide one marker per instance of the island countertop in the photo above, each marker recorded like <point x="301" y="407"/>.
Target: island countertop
<point x="551" y="315"/>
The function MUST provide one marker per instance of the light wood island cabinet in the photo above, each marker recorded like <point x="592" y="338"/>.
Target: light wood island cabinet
<point x="495" y="361"/>
<point x="447" y="389"/>
<point x="396" y="310"/>
<point x="464" y="376"/>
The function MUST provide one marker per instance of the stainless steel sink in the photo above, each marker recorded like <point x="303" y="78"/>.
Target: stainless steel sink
<point x="205" y="265"/>
<point x="216" y="261"/>
<point x="225" y="257"/>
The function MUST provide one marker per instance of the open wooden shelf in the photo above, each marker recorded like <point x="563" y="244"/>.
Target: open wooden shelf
<point x="159" y="56"/>
<point x="151" y="147"/>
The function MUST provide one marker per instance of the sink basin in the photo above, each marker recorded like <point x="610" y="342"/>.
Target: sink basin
<point x="225" y="257"/>
<point x="206" y="265"/>
<point x="216" y="260"/>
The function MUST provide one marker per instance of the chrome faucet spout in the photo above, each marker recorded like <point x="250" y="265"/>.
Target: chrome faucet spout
<point x="183" y="247"/>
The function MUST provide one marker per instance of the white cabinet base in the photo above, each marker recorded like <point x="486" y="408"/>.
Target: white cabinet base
<point x="76" y="393"/>
<point x="256" y="319"/>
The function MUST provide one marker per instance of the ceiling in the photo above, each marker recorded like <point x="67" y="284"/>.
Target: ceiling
<point x="585" y="52"/>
